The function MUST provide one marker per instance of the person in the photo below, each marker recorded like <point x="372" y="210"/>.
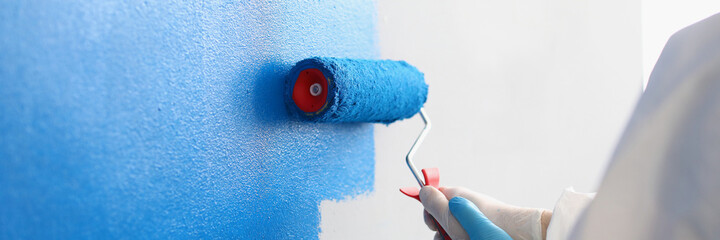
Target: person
<point x="664" y="178"/>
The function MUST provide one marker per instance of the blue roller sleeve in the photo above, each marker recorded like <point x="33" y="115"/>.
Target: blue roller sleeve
<point x="381" y="91"/>
<point x="474" y="222"/>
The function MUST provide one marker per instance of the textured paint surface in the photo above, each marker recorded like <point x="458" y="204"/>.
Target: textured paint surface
<point x="363" y="90"/>
<point x="140" y="119"/>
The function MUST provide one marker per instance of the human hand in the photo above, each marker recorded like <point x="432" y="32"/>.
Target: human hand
<point x="518" y="223"/>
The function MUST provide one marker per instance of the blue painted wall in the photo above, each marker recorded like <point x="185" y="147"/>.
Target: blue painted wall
<point x="136" y="119"/>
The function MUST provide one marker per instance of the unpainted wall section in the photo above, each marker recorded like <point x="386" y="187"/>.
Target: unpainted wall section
<point x="526" y="98"/>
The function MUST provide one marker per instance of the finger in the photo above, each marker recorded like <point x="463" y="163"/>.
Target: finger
<point x="438" y="236"/>
<point x="491" y="208"/>
<point x="451" y="192"/>
<point x="466" y="212"/>
<point x="483" y="202"/>
<point x="429" y="221"/>
<point x="474" y="221"/>
<point x="436" y="204"/>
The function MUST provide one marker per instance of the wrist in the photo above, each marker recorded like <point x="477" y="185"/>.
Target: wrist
<point x="545" y="222"/>
<point x="521" y="222"/>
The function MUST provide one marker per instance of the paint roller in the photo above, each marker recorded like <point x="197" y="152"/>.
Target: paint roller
<point x="337" y="90"/>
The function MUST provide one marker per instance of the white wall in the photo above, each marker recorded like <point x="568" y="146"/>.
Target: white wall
<point x="526" y="97"/>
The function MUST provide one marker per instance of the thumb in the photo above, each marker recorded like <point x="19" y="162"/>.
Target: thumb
<point x="474" y="222"/>
<point x="436" y="204"/>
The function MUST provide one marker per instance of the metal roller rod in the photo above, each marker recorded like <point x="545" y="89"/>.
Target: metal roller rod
<point x="413" y="149"/>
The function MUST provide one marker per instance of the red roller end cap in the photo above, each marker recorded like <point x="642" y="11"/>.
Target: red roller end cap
<point x="310" y="90"/>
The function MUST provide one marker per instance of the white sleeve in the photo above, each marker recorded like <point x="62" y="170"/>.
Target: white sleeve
<point x="566" y="213"/>
<point x="663" y="181"/>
